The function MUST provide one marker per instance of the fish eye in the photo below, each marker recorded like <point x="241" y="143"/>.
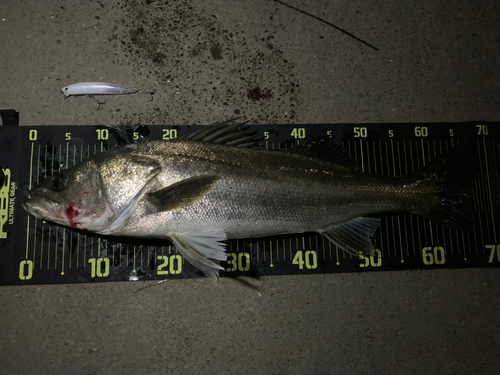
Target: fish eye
<point x="58" y="182"/>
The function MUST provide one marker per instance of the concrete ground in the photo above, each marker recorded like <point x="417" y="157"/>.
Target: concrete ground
<point x="437" y="61"/>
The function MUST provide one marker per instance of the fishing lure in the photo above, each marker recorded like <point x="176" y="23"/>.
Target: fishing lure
<point x="100" y="88"/>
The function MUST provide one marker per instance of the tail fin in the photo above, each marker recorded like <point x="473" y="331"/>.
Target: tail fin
<point x="452" y="175"/>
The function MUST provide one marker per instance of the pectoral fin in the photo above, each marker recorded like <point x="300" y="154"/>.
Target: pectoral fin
<point x="203" y="250"/>
<point x="353" y="236"/>
<point x="183" y="193"/>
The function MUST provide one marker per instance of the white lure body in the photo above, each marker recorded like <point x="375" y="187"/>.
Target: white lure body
<point x="96" y="88"/>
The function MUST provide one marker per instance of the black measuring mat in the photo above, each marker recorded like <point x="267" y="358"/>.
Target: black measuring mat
<point x="35" y="252"/>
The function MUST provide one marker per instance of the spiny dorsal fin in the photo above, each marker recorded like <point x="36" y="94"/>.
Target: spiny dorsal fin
<point x="328" y="150"/>
<point x="229" y="133"/>
<point x="183" y="193"/>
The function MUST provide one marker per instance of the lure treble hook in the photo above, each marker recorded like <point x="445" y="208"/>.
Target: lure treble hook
<point x="98" y="102"/>
<point x="150" y="92"/>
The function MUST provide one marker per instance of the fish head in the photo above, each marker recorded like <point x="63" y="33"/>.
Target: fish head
<point x="96" y="194"/>
<point x="72" y="197"/>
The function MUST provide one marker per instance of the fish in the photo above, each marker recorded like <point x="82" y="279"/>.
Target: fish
<point x="215" y="184"/>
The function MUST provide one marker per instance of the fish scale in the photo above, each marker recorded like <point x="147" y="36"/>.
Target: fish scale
<point x="254" y="185"/>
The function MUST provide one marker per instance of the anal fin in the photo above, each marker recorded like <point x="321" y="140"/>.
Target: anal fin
<point x="353" y="236"/>
<point x="203" y="250"/>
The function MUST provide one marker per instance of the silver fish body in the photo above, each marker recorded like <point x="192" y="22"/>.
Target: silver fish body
<point x="200" y="193"/>
<point x="261" y="193"/>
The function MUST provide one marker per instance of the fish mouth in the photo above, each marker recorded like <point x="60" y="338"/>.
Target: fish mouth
<point x="34" y="209"/>
<point x="41" y="207"/>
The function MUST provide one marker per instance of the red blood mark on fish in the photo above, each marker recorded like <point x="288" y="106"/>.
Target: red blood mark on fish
<point x="72" y="213"/>
<point x="85" y="192"/>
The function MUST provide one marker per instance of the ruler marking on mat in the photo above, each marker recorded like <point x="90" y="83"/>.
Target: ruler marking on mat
<point x="54" y="254"/>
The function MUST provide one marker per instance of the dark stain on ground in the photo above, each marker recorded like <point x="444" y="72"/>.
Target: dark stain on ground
<point x="158" y="58"/>
<point x="216" y="52"/>
<point x="258" y="94"/>
<point x="136" y="34"/>
<point x="150" y="40"/>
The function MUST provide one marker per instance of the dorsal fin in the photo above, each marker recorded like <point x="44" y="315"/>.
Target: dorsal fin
<point x="229" y="133"/>
<point x="328" y="150"/>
